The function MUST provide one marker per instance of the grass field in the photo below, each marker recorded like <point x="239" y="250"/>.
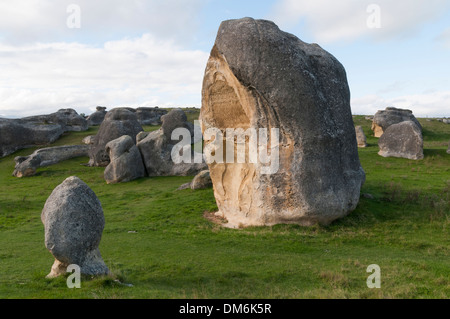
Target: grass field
<point x="157" y="239"/>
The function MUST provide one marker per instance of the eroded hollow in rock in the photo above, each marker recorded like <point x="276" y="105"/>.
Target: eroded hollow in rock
<point x="228" y="106"/>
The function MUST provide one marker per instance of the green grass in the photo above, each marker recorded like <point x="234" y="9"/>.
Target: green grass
<point x="157" y="239"/>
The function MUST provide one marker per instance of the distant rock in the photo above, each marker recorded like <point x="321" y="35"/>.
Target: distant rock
<point x="383" y="119"/>
<point x="156" y="148"/>
<point x="117" y="122"/>
<point x="403" y="139"/>
<point x="446" y="121"/>
<point x="150" y="115"/>
<point x="448" y="150"/>
<point x="88" y="140"/>
<point x="176" y="118"/>
<point x="73" y="220"/>
<point x="16" y="134"/>
<point x="126" y="161"/>
<point x="201" y="181"/>
<point x="97" y="117"/>
<point x="360" y="137"/>
<point x="69" y="120"/>
<point x="27" y="165"/>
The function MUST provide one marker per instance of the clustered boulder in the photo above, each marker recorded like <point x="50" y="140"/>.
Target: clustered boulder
<point x="383" y="119"/>
<point x="400" y="134"/>
<point x="16" y="134"/>
<point x="126" y="161"/>
<point x="27" y="165"/>
<point x="97" y="117"/>
<point x="403" y="139"/>
<point x="156" y="148"/>
<point x="118" y="122"/>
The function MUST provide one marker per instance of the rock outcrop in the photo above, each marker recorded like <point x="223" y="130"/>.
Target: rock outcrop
<point x="360" y="137"/>
<point x="383" y="119"/>
<point x="259" y="77"/>
<point x="16" y="134"/>
<point x="126" y="161"/>
<point x="117" y="122"/>
<point x="27" y="165"/>
<point x="97" y="117"/>
<point x="74" y="221"/>
<point x="150" y="115"/>
<point x="448" y="150"/>
<point x="156" y="148"/>
<point x="403" y="139"/>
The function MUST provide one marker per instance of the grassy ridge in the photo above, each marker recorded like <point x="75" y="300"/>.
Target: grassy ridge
<point x="157" y="239"/>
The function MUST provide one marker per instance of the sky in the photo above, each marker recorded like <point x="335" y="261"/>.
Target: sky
<point x="86" y="53"/>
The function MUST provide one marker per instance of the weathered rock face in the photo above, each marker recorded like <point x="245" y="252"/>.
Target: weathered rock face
<point x="360" y="137"/>
<point x="16" y="134"/>
<point x="97" y="117"/>
<point x="69" y="120"/>
<point x="27" y="165"/>
<point x="176" y="118"/>
<point x="383" y="119"/>
<point x="74" y="221"/>
<point x="126" y="161"/>
<point x="448" y="151"/>
<point x="150" y="115"/>
<point x="403" y="139"/>
<point x="156" y="148"/>
<point x="260" y="77"/>
<point x="117" y="122"/>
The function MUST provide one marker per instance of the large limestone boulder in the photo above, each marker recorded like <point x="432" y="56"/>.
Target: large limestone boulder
<point x="448" y="151"/>
<point x="117" y="122"/>
<point x="68" y="119"/>
<point x="27" y="165"/>
<point x="74" y="221"/>
<point x="403" y="139"/>
<point x="383" y="119"/>
<point x="126" y="161"/>
<point x="262" y="78"/>
<point x="16" y="134"/>
<point x="360" y="137"/>
<point x="156" y="148"/>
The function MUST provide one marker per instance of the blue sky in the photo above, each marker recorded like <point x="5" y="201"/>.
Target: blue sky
<point x="147" y="53"/>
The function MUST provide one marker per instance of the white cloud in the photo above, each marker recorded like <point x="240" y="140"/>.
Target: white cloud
<point x="430" y="104"/>
<point x="331" y="21"/>
<point x="144" y="71"/>
<point x="27" y="21"/>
